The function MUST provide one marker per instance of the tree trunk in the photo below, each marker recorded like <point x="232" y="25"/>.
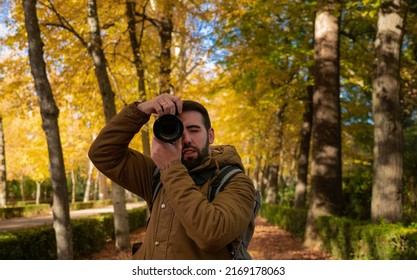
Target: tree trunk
<point x="88" y="183"/>
<point x="96" y="195"/>
<point x="3" y="178"/>
<point x="140" y="68"/>
<point x="326" y="183"/>
<point x="49" y="113"/>
<point x="103" y="188"/>
<point x="73" y="186"/>
<point x="272" y="186"/>
<point x="257" y="172"/>
<point x="388" y="131"/>
<point x="22" y="186"/>
<point x="135" y="45"/>
<point x="280" y="150"/>
<point x="121" y="222"/>
<point x="305" y="136"/>
<point x="38" y="192"/>
<point x="264" y="178"/>
<point x="165" y="34"/>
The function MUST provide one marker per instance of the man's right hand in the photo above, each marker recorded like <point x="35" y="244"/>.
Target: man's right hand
<point x="162" y="105"/>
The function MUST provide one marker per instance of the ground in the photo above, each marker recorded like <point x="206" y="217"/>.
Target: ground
<point x="268" y="243"/>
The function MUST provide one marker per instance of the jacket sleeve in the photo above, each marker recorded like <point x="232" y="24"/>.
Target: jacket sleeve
<point x="211" y="225"/>
<point x="111" y="155"/>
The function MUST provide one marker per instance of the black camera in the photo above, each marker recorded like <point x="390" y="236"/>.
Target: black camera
<point x="168" y="128"/>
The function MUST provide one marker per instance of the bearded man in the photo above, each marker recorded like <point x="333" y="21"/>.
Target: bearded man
<point x="183" y="223"/>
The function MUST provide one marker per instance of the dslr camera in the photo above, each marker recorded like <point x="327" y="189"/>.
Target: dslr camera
<point x="168" y="128"/>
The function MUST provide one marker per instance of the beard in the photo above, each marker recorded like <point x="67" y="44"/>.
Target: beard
<point x="201" y="155"/>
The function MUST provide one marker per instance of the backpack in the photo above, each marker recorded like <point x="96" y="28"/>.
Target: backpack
<point x="238" y="249"/>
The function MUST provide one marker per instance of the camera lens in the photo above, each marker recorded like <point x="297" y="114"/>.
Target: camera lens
<point x="168" y="128"/>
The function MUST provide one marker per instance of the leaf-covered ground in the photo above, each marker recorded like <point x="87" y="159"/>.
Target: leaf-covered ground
<point x="268" y="243"/>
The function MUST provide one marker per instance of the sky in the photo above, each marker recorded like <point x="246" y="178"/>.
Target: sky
<point x="4" y="31"/>
<point x="4" y="15"/>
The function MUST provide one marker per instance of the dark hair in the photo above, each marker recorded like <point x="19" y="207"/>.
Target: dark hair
<point x="188" y="105"/>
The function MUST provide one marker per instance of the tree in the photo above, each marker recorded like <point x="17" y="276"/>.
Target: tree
<point x="387" y="114"/>
<point x="50" y="112"/>
<point x="2" y="166"/>
<point x="264" y="52"/>
<point x="163" y="21"/>
<point x="138" y="62"/>
<point x="88" y="182"/>
<point x="326" y="173"/>
<point x="121" y="221"/>
<point x="305" y="137"/>
<point x="165" y="34"/>
<point x="95" y="49"/>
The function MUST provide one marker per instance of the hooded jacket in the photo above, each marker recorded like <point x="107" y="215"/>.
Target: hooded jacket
<point x="183" y="223"/>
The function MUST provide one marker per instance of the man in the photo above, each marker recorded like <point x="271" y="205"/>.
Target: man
<point x="183" y="223"/>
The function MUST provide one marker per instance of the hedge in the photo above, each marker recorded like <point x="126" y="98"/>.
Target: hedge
<point x="89" y="235"/>
<point x="78" y="205"/>
<point x="28" y="210"/>
<point x="289" y="219"/>
<point x="347" y="239"/>
<point x="350" y="239"/>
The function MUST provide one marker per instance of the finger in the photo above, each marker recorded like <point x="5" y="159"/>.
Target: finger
<point x="165" y="106"/>
<point x="169" y="106"/>
<point x="159" y="108"/>
<point x="178" y="104"/>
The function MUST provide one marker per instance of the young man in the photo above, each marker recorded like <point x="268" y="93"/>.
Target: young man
<point x="183" y="223"/>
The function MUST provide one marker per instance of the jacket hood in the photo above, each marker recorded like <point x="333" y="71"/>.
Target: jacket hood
<point x="220" y="156"/>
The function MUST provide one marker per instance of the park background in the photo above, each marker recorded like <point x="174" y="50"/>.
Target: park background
<point x="319" y="98"/>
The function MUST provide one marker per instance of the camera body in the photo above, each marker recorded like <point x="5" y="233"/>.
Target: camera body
<point x="168" y="128"/>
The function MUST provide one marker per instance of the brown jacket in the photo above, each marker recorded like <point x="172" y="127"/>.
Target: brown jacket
<point x="183" y="223"/>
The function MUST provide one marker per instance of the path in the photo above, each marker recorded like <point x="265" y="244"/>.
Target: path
<point x="268" y="243"/>
<point x="17" y="223"/>
<point x="272" y="243"/>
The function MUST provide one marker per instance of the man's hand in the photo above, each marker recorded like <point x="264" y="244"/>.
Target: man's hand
<point x="164" y="153"/>
<point x="162" y="105"/>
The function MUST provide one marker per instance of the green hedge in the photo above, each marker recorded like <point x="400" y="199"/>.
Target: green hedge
<point x="28" y="210"/>
<point x="350" y="239"/>
<point x="347" y="239"/>
<point x="335" y="233"/>
<point x="79" y="205"/>
<point x="89" y="236"/>
<point x="31" y="210"/>
<point x="289" y="219"/>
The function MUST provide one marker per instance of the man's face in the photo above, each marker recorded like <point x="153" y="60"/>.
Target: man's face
<point x="196" y="139"/>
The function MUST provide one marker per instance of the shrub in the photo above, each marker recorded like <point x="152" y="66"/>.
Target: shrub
<point x="384" y="242"/>
<point x="28" y="210"/>
<point x="349" y="239"/>
<point x="335" y="233"/>
<point x="357" y="192"/>
<point x="289" y="219"/>
<point x="89" y="235"/>
<point x="29" y="244"/>
<point x="346" y="238"/>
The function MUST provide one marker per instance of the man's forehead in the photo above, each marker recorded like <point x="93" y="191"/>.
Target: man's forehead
<point x="193" y="118"/>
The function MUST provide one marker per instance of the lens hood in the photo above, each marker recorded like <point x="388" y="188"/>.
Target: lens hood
<point x="168" y="128"/>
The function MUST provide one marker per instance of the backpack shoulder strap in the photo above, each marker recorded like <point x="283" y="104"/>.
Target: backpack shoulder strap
<point x="198" y="179"/>
<point x="227" y="172"/>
